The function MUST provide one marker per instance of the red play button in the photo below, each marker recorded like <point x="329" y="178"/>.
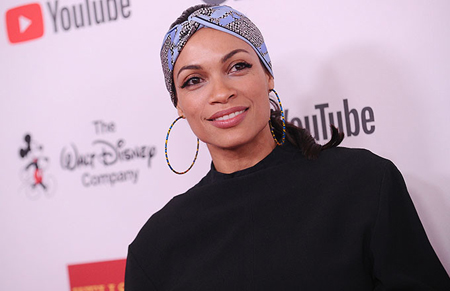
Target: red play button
<point x="24" y="23"/>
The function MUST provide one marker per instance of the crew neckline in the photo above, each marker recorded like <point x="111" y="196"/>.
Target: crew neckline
<point x="278" y="155"/>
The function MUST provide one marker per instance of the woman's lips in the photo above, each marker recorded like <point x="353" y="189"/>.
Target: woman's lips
<point x="228" y="118"/>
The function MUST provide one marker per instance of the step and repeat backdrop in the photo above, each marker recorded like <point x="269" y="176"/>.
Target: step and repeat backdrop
<point x="84" y="113"/>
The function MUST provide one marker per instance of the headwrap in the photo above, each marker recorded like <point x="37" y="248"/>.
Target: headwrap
<point x="223" y="18"/>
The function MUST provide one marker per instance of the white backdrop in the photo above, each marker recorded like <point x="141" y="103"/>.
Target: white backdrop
<point x="97" y="93"/>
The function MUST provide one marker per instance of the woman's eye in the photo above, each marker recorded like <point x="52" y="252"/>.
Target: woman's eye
<point x="190" y="82"/>
<point x="241" y="66"/>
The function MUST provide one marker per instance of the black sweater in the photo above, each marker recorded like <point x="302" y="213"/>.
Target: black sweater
<point x="344" y="221"/>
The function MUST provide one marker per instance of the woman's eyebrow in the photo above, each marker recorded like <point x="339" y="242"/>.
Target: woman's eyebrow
<point x="223" y="60"/>
<point x="189" y="67"/>
<point x="232" y="53"/>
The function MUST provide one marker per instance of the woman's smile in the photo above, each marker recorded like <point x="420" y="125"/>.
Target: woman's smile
<point x="229" y="117"/>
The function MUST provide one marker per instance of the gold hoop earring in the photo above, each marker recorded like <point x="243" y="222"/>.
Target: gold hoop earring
<point x="167" y="156"/>
<point x="283" y="139"/>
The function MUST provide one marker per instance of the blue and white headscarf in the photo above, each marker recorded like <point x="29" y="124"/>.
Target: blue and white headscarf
<point x="222" y="18"/>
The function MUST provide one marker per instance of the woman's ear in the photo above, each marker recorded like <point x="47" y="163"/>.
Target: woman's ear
<point x="180" y="111"/>
<point x="271" y="82"/>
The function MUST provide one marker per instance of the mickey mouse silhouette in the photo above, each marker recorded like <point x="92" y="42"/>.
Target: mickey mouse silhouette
<point x="28" y="151"/>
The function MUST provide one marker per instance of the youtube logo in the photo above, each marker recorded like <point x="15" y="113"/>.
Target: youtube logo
<point x="24" y="23"/>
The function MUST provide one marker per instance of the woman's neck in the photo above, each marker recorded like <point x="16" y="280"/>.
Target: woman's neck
<point x="232" y="160"/>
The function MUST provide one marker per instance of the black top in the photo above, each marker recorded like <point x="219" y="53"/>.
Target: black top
<point x="344" y="221"/>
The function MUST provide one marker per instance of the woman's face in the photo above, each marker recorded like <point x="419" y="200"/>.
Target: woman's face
<point x="222" y="90"/>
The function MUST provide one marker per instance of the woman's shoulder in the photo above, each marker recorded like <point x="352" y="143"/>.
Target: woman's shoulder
<point x="356" y="152"/>
<point x="346" y="164"/>
<point x="354" y="157"/>
<point x="337" y="154"/>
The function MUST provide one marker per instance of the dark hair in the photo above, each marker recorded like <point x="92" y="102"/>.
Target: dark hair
<point x="298" y="136"/>
<point x="184" y="16"/>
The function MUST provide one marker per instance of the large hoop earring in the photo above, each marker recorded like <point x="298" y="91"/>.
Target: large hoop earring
<point x="283" y="139"/>
<point x="167" y="156"/>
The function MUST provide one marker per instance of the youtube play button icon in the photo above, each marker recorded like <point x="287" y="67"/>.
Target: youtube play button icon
<point x="24" y="23"/>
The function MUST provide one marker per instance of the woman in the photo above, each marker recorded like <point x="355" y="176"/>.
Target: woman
<point x="276" y="211"/>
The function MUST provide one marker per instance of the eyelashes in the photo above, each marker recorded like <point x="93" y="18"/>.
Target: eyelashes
<point x="241" y="66"/>
<point x="190" y="82"/>
<point x="235" y="68"/>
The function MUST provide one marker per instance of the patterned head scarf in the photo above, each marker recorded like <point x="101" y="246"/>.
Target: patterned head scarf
<point x="222" y="18"/>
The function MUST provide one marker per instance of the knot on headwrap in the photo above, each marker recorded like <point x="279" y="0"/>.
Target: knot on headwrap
<point x="223" y="18"/>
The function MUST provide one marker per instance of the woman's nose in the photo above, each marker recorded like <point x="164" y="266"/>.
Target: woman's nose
<point x="222" y="91"/>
